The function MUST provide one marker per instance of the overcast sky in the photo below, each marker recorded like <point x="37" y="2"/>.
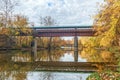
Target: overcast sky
<point x="64" y="12"/>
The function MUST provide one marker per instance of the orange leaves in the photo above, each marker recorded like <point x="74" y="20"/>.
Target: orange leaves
<point x="106" y="55"/>
<point x="5" y="31"/>
<point x="20" y="21"/>
<point x="106" y="22"/>
<point x="21" y="25"/>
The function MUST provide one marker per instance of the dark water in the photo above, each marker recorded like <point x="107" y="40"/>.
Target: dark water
<point x="14" y="65"/>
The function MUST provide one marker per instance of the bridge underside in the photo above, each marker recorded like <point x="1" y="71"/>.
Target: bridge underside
<point x="64" y="32"/>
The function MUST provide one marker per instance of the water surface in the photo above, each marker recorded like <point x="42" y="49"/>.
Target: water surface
<point x="10" y="70"/>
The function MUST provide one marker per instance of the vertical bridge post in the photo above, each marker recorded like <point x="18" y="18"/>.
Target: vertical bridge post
<point x="75" y="46"/>
<point x="34" y="44"/>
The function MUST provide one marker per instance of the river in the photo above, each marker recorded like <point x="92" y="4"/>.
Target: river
<point x="11" y="71"/>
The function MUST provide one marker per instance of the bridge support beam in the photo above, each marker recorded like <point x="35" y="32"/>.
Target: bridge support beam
<point x="35" y="45"/>
<point x="34" y="48"/>
<point x="76" y="49"/>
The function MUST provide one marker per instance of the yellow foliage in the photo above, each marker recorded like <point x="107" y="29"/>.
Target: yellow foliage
<point x="106" y="55"/>
<point x="105" y="42"/>
<point x="21" y="21"/>
<point x="107" y="25"/>
<point x="83" y="54"/>
<point x="17" y="33"/>
<point x="106" y="22"/>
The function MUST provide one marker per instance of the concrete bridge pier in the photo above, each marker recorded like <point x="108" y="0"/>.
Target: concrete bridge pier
<point x="34" y="45"/>
<point x="34" y="48"/>
<point x="76" y="49"/>
<point x="75" y="56"/>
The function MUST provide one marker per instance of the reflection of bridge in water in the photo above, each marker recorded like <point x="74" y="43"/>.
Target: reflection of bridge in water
<point x="28" y="62"/>
<point x="57" y="66"/>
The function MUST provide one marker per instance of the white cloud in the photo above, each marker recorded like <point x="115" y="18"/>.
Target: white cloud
<point x="65" y="12"/>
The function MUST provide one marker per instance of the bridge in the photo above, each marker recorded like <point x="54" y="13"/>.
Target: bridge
<point x="62" y="31"/>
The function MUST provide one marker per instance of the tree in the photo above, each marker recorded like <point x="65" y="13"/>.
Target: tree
<point x="6" y="10"/>
<point x="48" y="21"/>
<point x="21" y="28"/>
<point x="107" y="24"/>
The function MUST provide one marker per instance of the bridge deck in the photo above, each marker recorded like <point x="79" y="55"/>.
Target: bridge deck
<point x="58" y="31"/>
<point x="64" y="32"/>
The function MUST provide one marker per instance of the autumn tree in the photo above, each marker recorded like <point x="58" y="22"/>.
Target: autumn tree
<point x="21" y="29"/>
<point x="107" y="24"/>
<point x="6" y="15"/>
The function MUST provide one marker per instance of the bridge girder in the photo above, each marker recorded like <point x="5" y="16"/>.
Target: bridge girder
<point x="64" y="32"/>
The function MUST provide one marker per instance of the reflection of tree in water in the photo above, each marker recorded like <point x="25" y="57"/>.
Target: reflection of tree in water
<point x="97" y="55"/>
<point x="5" y="61"/>
<point x="9" y="70"/>
<point x="22" y="56"/>
<point x="94" y="55"/>
<point x="46" y="76"/>
<point x="52" y="55"/>
<point x="12" y="75"/>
